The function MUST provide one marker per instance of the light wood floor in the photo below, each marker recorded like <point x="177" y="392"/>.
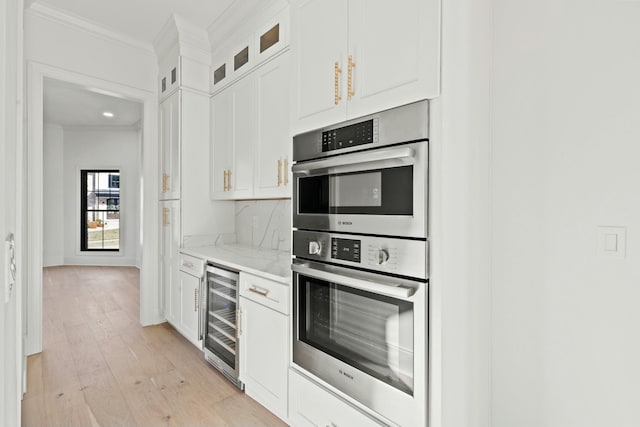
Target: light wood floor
<point x="99" y="367"/>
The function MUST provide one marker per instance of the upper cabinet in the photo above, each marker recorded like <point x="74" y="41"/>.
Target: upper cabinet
<point x="357" y="57"/>
<point x="250" y="141"/>
<point x="248" y="49"/>
<point x="170" y="147"/>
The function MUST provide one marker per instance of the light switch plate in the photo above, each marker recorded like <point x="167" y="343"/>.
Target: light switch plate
<point x="612" y="241"/>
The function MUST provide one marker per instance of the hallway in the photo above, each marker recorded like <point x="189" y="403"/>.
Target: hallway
<point x="99" y="367"/>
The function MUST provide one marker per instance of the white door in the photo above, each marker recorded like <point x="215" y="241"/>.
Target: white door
<point x="170" y="147"/>
<point x="273" y="158"/>
<point x="243" y="104"/>
<point x="221" y="143"/>
<point x="319" y="43"/>
<point x="395" y="49"/>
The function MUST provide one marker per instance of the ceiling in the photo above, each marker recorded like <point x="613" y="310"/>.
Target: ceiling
<point x="139" y="19"/>
<point x="70" y="105"/>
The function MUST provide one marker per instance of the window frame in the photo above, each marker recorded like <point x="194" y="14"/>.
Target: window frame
<point x="84" y="243"/>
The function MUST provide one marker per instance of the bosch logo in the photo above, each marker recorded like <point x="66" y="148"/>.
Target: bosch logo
<point x="345" y="223"/>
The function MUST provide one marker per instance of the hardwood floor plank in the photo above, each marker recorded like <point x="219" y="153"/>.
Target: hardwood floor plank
<point x="100" y="368"/>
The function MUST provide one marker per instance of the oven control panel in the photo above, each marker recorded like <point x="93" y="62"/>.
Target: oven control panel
<point x="392" y="255"/>
<point x="365" y="132"/>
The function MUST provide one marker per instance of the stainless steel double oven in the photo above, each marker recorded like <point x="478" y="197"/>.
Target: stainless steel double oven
<point x="360" y="269"/>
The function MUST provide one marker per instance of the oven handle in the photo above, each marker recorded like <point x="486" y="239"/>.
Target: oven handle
<point x="359" y="161"/>
<point x="354" y="282"/>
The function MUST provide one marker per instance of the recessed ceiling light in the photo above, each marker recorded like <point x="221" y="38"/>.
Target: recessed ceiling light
<point x="107" y="114"/>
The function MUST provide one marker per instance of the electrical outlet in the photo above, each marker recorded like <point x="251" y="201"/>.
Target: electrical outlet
<point x="612" y="242"/>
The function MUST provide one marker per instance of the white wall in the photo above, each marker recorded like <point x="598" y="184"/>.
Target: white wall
<point x="566" y="145"/>
<point x="49" y="41"/>
<point x="101" y="149"/>
<point x="53" y="222"/>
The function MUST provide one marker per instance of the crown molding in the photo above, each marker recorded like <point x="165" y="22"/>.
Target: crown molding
<point x="191" y="40"/>
<point x="76" y="22"/>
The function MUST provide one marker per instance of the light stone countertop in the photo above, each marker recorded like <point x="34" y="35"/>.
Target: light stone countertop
<point x="268" y="263"/>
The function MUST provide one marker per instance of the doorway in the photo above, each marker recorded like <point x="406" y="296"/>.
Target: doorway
<point x="39" y="77"/>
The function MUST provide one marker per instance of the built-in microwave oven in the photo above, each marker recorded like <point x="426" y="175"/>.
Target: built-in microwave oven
<point x="360" y="174"/>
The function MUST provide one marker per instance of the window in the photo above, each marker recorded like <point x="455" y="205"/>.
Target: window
<point x="99" y="210"/>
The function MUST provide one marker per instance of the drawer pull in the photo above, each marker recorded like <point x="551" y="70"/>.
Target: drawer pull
<point x="263" y="292"/>
<point x="187" y="264"/>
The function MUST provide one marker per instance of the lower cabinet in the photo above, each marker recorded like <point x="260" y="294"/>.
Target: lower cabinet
<point x="189" y="307"/>
<point x="169" y="254"/>
<point x="313" y="406"/>
<point x="264" y="342"/>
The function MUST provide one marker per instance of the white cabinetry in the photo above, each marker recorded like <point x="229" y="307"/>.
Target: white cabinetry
<point x="170" y="147"/>
<point x="272" y="153"/>
<point x="264" y="340"/>
<point x="250" y="135"/>
<point x="169" y="247"/>
<point x="313" y="406"/>
<point x="189" y="306"/>
<point x="357" y="57"/>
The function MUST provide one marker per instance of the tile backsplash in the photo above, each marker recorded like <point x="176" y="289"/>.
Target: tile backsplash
<point x="264" y="224"/>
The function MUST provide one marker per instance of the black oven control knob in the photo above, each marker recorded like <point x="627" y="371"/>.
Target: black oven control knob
<point x="314" y="248"/>
<point x="383" y="256"/>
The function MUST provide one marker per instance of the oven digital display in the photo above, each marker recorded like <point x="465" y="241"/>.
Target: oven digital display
<point x="349" y="136"/>
<point x="345" y="249"/>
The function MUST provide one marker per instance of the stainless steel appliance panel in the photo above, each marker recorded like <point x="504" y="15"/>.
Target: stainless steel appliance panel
<point x="402" y="124"/>
<point x="363" y="334"/>
<point x="358" y="192"/>
<point x="387" y="255"/>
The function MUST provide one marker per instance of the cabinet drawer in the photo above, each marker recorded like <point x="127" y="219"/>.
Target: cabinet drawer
<point x="313" y="406"/>
<point x="191" y="265"/>
<point x="266" y="292"/>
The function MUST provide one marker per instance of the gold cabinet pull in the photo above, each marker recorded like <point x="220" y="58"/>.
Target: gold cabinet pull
<point x="195" y="299"/>
<point x="229" y="180"/>
<point x="336" y="82"/>
<point x="165" y="216"/>
<point x="225" y="181"/>
<point x="350" y="92"/>
<point x="279" y="172"/>
<point x="286" y="170"/>
<point x="165" y="186"/>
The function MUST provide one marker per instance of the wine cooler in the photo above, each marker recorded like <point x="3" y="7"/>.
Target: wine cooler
<point x="221" y="344"/>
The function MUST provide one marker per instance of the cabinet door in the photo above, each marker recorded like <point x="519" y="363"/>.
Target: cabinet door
<point x="395" y="47"/>
<point x="272" y="155"/>
<point x="243" y="128"/>
<point x="170" y="147"/>
<point x="264" y="356"/>
<point x="189" y="306"/>
<point x="318" y="43"/>
<point x="169" y="247"/>
<point x="221" y="143"/>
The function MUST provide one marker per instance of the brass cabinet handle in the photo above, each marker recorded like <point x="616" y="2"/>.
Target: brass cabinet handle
<point x="225" y="181"/>
<point x="195" y="299"/>
<point x="165" y="186"/>
<point x="229" y="180"/>
<point x="350" y="92"/>
<point x="279" y="172"/>
<point x="286" y="171"/>
<point x="165" y="216"/>
<point x="259" y="291"/>
<point x="336" y="82"/>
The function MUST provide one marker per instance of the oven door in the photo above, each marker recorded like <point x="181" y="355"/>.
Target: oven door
<point x="365" y="335"/>
<point x="354" y="192"/>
